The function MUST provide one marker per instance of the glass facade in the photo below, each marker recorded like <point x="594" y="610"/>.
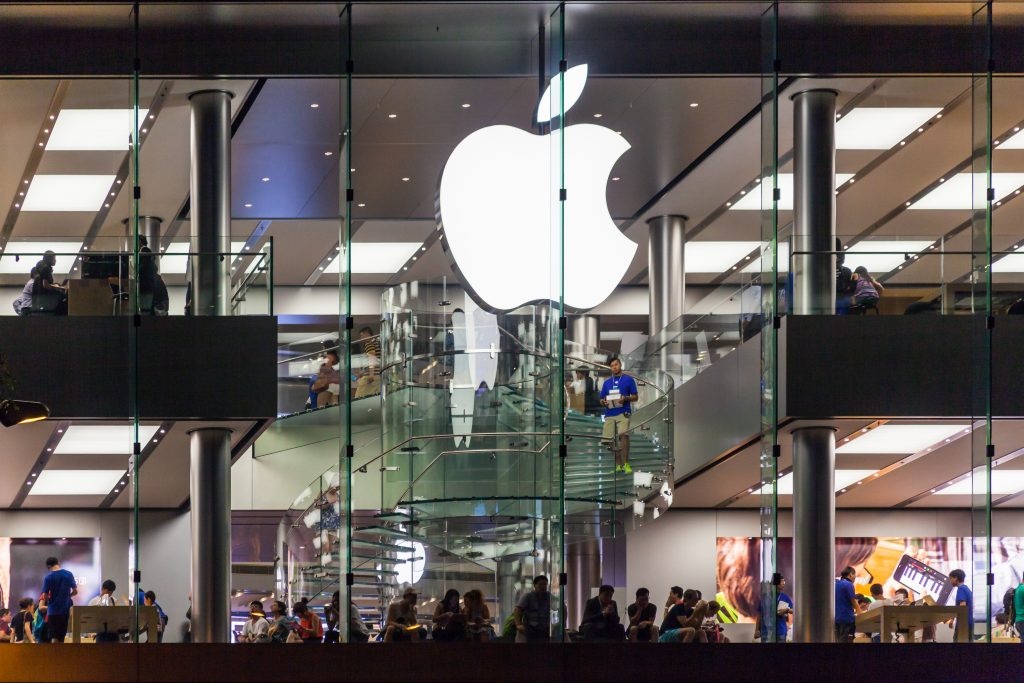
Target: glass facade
<point x="429" y="200"/>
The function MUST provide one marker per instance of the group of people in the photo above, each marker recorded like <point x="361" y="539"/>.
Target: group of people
<point x="304" y="625"/>
<point x="152" y="289"/>
<point x="325" y="385"/>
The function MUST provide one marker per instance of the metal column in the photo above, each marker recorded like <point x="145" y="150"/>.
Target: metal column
<point x="583" y="564"/>
<point x="211" y="201"/>
<point x="814" y="524"/>
<point x="210" y="489"/>
<point x="666" y="270"/>
<point x="149" y="227"/>
<point x="585" y="334"/>
<point x="814" y="202"/>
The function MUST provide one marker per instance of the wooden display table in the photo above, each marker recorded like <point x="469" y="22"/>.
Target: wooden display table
<point x="100" y="619"/>
<point x="889" y="619"/>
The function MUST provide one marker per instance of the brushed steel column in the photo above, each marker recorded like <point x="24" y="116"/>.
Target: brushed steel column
<point x="666" y="270"/>
<point x="149" y="227"/>
<point x="585" y="335"/>
<point x="583" y="563"/>
<point x="211" y="201"/>
<point x="814" y="202"/>
<point x="210" y="489"/>
<point x="814" y="525"/>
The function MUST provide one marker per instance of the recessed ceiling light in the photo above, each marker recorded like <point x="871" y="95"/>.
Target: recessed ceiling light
<point x="900" y="439"/>
<point x="92" y="129"/>
<point x="360" y="205"/>
<point x="327" y="154"/>
<point x="752" y="200"/>
<point x="247" y="205"/>
<point x="265" y="179"/>
<point x="694" y="105"/>
<point x="392" y="116"/>
<point x="405" y="180"/>
<point x="1004" y="483"/>
<point x="966" y="190"/>
<point x="75" y="482"/>
<point x="314" y="105"/>
<point x="466" y="105"/>
<point x="597" y="116"/>
<point x="65" y="251"/>
<point x="714" y="257"/>
<point x="616" y="179"/>
<point x="377" y="257"/>
<point x="843" y="479"/>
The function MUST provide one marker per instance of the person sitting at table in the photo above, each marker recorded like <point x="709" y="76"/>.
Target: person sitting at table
<point x="43" y="281"/>
<point x="24" y="301"/>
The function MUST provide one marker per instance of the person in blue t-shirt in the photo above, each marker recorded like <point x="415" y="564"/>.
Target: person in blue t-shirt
<point x="618" y="394"/>
<point x="846" y="606"/>
<point x="964" y="596"/>
<point x="59" y="587"/>
<point x="783" y="608"/>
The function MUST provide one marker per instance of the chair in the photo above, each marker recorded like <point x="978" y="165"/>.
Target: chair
<point x="44" y="303"/>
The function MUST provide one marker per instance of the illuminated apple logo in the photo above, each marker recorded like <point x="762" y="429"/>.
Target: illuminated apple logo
<point x="498" y="206"/>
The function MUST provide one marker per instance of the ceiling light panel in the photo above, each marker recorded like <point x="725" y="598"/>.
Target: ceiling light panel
<point x="966" y="190"/>
<point x="175" y="258"/>
<point x="93" y="129"/>
<point x="376" y="257"/>
<point x="844" y="479"/>
<point x="31" y="252"/>
<point x="715" y="257"/>
<point x="1015" y="141"/>
<point x="880" y="127"/>
<point x="751" y="201"/>
<point x="102" y="439"/>
<point x="1010" y="263"/>
<point x="67" y="193"/>
<point x="1004" y="483"/>
<point x="901" y="439"/>
<point x="75" y="482"/>
<point x="881" y="256"/>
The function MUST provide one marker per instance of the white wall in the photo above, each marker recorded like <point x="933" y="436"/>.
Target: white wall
<point x="679" y="549"/>
<point x="165" y="560"/>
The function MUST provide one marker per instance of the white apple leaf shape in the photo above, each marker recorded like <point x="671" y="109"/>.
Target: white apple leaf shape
<point x="549" y="107"/>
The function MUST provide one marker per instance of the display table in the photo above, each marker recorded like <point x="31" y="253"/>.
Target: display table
<point x="100" y="619"/>
<point x="889" y="619"/>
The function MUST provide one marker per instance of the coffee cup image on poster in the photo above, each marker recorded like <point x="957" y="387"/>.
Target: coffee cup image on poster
<point x="920" y="565"/>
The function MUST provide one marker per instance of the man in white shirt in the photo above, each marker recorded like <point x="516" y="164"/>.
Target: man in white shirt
<point x="256" y="628"/>
<point x="25" y="300"/>
<point x="106" y="597"/>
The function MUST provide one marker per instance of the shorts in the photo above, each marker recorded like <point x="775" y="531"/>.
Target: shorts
<point x="614" y="425"/>
<point x="57" y="624"/>
<point x="669" y="636"/>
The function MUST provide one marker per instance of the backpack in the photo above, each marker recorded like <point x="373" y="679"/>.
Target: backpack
<point x="508" y="627"/>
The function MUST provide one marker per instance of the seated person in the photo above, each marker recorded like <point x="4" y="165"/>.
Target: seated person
<point x="867" y="289"/>
<point x="642" y="614"/>
<point x="44" y="283"/>
<point x="327" y="378"/>
<point x="256" y="628"/>
<point x="402" y="621"/>
<point x="24" y="301"/>
<point x="675" y="597"/>
<point x="601" y="617"/>
<point x="682" y="625"/>
<point x="477" y="616"/>
<point x="449" y="623"/>
<point x="713" y="631"/>
<point x="357" y="631"/>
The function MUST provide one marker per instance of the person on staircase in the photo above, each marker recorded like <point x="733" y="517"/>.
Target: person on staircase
<point x="618" y="394"/>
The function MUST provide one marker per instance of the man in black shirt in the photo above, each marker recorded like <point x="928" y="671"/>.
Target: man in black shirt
<point x="844" y="281"/>
<point x="682" y="625"/>
<point x="642" y="614"/>
<point x="601" y="617"/>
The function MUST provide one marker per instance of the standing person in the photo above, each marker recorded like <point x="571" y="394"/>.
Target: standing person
<point x="783" y="608"/>
<point x="964" y="596"/>
<point x="149" y="600"/>
<point x="533" y="613"/>
<point x="642" y="614"/>
<point x="368" y="383"/>
<point x="21" y="624"/>
<point x="59" y="587"/>
<point x="846" y="606"/>
<point x="618" y="394"/>
<point x="844" y="281"/>
<point x="601" y="617"/>
<point x="1018" y="610"/>
<point x="106" y="597"/>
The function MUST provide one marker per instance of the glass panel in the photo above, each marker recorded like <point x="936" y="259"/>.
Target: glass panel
<point x="769" y="289"/>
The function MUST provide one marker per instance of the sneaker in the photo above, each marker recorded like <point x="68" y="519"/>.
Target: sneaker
<point x="618" y="468"/>
<point x="627" y="469"/>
